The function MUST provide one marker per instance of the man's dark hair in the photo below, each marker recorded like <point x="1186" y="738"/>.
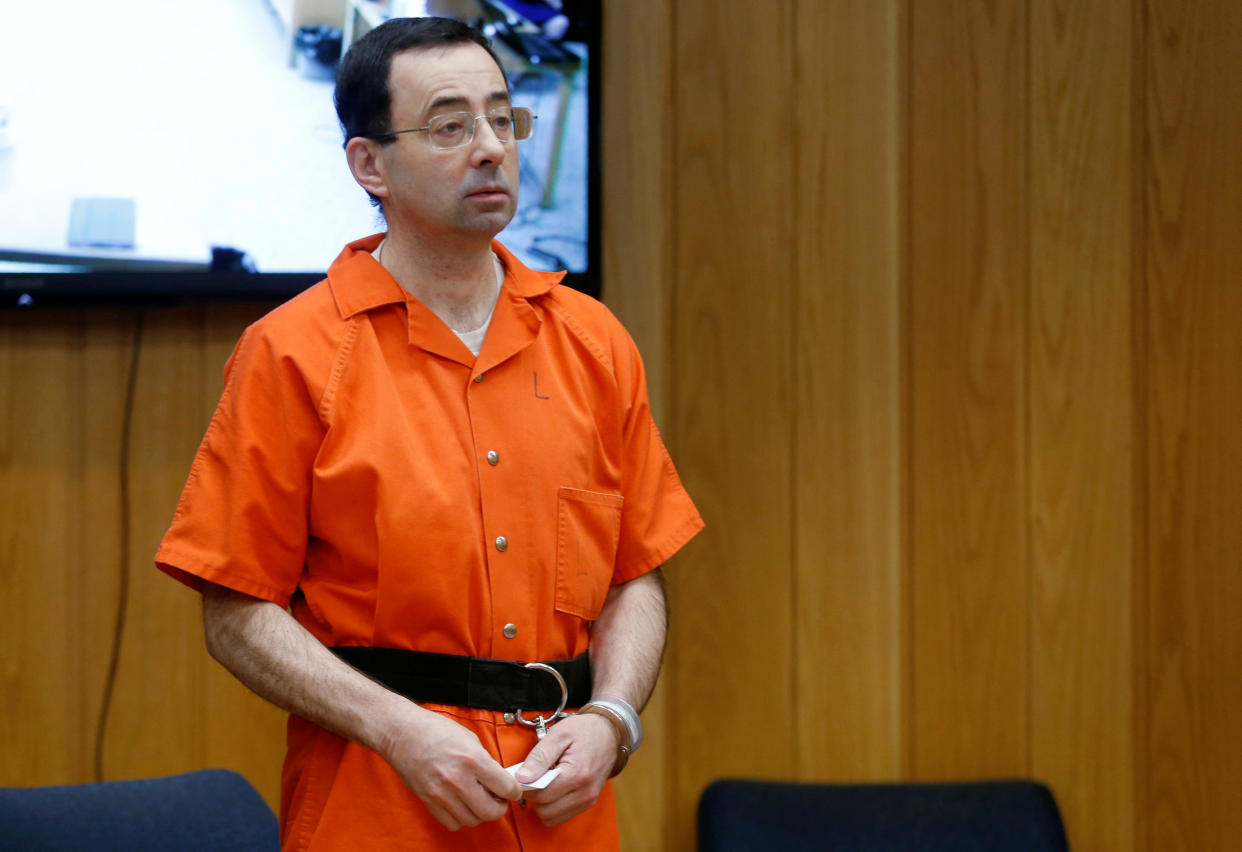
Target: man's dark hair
<point x="362" y="98"/>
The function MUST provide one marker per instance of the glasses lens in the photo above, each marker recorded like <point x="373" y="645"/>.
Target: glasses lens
<point x="451" y="130"/>
<point x="523" y="122"/>
<point x="501" y="121"/>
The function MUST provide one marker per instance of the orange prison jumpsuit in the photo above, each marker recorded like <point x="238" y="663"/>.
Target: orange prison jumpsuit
<point x="366" y="469"/>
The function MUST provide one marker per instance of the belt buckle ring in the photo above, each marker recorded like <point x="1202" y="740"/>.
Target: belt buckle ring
<point x="539" y="723"/>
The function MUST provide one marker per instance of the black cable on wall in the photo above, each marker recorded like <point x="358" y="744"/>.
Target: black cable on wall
<point x="131" y="385"/>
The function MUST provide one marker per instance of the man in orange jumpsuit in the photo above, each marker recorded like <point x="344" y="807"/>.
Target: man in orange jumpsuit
<point x="427" y="471"/>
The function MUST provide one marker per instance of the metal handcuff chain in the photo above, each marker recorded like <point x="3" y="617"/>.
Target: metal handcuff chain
<point x="540" y="723"/>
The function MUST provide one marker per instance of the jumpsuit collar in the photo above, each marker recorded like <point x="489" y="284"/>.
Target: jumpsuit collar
<point x="359" y="283"/>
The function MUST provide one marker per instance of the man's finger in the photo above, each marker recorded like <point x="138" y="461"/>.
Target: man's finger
<point x="483" y="806"/>
<point x="564" y="808"/>
<point x="499" y="783"/>
<point x="541" y="758"/>
<point x="444" y="816"/>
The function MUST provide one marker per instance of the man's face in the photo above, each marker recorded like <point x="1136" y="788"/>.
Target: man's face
<point x="466" y="191"/>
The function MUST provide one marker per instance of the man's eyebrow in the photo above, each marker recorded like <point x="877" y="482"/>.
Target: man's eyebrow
<point x="447" y="101"/>
<point x="459" y="101"/>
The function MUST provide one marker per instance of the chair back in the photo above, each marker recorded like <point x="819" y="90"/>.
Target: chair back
<point x="996" y="816"/>
<point x="213" y="809"/>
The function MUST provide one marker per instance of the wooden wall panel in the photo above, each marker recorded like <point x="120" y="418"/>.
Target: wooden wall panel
<point x="968" y="706"/>
<point x="637" y="125"/>
<point x="637" y="147"/>
<point x="65" y="376"/>
<point x="1194" y="313"/>
<point x="38" y="549"/>
<point x="1082" y="454"/>
<point x="847" y="341"/>
<point x="731" y="650"/>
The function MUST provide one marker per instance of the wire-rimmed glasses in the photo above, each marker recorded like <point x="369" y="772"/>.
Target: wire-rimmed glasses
<point x="456" y="129"/>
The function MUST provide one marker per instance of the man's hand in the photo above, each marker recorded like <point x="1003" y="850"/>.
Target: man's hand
<point x="446" y="766"/>
<point x="585" y="749"/>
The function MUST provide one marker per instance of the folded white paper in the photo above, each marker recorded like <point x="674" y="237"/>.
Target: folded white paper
<point x="539" y="783"/>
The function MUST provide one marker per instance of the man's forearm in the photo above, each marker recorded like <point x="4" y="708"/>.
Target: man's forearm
<point x="273" y="655"/>
<point x="627" y="640"/>
<point x="440" y="760"/>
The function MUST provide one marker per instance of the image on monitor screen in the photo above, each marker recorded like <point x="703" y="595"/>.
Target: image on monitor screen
<point x="174" y="136"/>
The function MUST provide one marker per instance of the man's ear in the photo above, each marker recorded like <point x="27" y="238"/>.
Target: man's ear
<point x="364" y="157"/>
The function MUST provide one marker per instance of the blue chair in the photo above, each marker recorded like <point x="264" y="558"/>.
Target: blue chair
<point x="213" y="809"/>
<point x="987" y="816"/>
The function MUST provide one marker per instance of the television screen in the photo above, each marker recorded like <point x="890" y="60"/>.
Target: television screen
<point x="170" y="148"/>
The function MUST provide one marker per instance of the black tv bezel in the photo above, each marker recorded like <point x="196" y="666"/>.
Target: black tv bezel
<point x="143" y="288"/>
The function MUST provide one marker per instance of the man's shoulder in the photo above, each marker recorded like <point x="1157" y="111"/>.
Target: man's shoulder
<point x="599" y="331"/>
<point x="586" y="314"/>
<point x="313" y="308"/>
<point x="323" y="310"/>
<point x="306" y="329"/>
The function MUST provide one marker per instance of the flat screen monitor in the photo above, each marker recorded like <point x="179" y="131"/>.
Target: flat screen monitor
<point x="162" y="150"/>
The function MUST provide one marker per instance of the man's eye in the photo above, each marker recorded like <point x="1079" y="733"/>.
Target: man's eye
<point x="449" y="128"/>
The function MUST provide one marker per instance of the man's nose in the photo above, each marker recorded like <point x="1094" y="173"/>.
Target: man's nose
<point x="486" y="146"/>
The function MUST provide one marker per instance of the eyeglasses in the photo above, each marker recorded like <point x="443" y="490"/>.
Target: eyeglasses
<point x="456" y="129"/>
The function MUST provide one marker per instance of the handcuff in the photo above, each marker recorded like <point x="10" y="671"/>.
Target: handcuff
<point x="539" y="723"/>
<point x="622" y="716"/>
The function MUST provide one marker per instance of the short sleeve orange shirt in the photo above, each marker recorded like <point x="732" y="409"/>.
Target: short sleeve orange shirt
<point x="364" y="468"/>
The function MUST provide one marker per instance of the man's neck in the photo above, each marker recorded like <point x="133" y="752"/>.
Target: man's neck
<point x="457" y="283"/>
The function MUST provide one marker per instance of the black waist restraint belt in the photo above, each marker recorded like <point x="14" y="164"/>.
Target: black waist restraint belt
<point x="471" y="681"/>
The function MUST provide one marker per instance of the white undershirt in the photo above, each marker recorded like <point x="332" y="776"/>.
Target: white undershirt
<point x="472" y="339"/>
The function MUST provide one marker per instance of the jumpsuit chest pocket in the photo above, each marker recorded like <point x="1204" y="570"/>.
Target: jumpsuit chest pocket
<point x="588" y="529"/>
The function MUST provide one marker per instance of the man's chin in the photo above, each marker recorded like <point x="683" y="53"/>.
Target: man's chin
<point x="487" y="222"/>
